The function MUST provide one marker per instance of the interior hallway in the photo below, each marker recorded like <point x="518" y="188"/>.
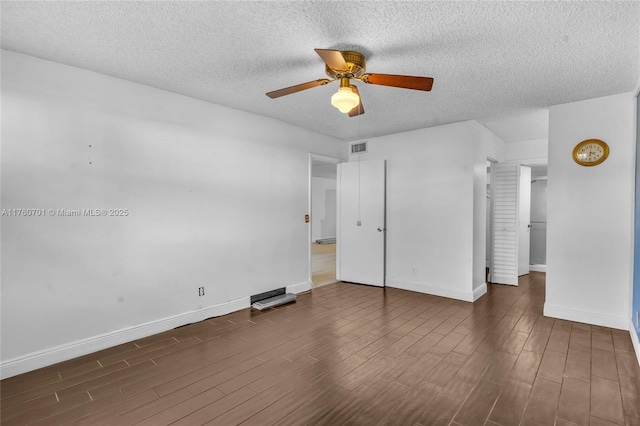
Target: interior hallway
<point x="323" y="264"/>
<point x="351" y="354"/>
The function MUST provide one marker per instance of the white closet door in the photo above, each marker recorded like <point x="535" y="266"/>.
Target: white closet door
<point x="361" y="222"/>
<point x="504" y="263"/>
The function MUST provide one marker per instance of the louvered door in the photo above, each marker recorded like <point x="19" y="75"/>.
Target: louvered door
<point x="504" y="239"/>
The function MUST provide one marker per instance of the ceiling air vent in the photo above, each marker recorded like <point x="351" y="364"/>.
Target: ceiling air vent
<point x="358" y="148"/>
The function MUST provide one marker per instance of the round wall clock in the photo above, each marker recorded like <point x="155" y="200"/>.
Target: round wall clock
<point x="590" y="152"/>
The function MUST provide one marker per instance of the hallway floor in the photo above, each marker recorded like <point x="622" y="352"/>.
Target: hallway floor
<point x="323" y="264"/>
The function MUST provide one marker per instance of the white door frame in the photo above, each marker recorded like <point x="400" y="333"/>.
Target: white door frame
<point x="326" y="159"/>
<point x="489" y="221"/>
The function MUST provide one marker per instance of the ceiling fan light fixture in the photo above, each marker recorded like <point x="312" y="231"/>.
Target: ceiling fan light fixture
<point x="345" y="99"/>
<point x="346" y="65"/>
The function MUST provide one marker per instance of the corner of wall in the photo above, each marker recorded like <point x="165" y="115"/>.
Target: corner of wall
<point x="634" y="340"/>
<point x="572" y="314"/>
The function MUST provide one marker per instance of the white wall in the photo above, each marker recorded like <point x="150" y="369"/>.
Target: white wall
<point x="323" y="208"/>
<point x="530" y="151"/>
<point x="209" y="191"/>
<point x="434" y="182"/>
<point x="589" y="237"/>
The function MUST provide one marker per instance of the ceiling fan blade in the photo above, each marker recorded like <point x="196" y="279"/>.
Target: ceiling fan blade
<point x="333" y="59"/>
<point x="359" y="109"/>
<point x="403" y="81"/>
<point x="298" y="88"/>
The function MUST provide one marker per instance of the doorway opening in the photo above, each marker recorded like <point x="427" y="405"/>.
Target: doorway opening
<point x="489" y="229"/>
<point x="509" y="195"/>
<point x="323" y="219"/>
<point x="538" y="254"/>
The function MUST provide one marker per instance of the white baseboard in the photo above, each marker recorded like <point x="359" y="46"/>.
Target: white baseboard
<point x="299" y="288"/>
<point x="538" y="268"/>
<point x="634" y="340"/>
<point x="437" y="291"/>
<point x="51" y="356"/>
<point x="586" y="317"/>
<point x="479" y="292"/>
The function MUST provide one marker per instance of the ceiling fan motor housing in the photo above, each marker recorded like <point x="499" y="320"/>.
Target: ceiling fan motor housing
<point x="355" y="62"/>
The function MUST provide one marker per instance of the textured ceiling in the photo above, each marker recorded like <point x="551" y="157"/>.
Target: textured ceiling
<point x="501" y="63"/>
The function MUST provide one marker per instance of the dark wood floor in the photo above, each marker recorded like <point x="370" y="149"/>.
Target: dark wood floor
<point x="349" y="354"/>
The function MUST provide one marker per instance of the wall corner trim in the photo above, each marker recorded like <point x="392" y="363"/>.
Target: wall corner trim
<point x="479" y="292"/>
<point x="36" y="360"/>
<point x="436" y="291"/>
<point x="585" y="317"/>
<point x="634" y="340"/>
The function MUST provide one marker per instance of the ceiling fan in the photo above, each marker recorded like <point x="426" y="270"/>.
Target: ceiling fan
<point x="347" y="65"/>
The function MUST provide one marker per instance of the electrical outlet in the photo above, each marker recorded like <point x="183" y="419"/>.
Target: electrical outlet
<point x="200" y="291"/>
<point x="414" y="271"/>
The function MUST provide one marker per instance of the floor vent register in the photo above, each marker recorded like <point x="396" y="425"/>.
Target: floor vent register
<point x="271" y="299"/>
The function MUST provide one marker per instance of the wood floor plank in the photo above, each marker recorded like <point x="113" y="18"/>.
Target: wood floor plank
<point x="80" y="411"/>
<point x="627" y="363"/>
<point x="603" y="364"/>
<point x="447" y="369"/>
<point x="442" y="410"/>
<point x="283" y="407"/>
<point x="183" y="409"/>
<point x="526" y="367"/>
<point x="559" y="341"/>
<point x="580" y="340"/>
<point x="515" y="342"/>
<point x="378" y="405"/>
<point x="500" y="367"/>
<point x="606" y="400"/>
<point x="28" y="414"/>
<point x="511" y="403"/>
<point x="408" y="410"/>
<point x="417" y="372"/>
<point x="630" y="391"/>
<point x="543" y="402"/>
<point x="601" y="339"/>
<point x="208" y="413"/>
<point x="574" y="401"/>
<point x="105" y="415"/>
<point x="578" y="364"/>
<point x="552" y="365"/>
<point x="476" y="409"/>
<point x="315" y="407"/>
<point x="537" y="341"/>
<point x="138" y="414"/>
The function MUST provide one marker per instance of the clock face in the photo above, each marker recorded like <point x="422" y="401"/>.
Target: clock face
<point x="590" y="152"/>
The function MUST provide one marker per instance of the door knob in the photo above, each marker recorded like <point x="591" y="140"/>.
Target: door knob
<point x="380" y="229"/>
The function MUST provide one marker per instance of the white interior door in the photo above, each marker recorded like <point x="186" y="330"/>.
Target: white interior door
<point x="524" y="223"/>
<point x="504" y="223"/>
<point x="361" y="222"/>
